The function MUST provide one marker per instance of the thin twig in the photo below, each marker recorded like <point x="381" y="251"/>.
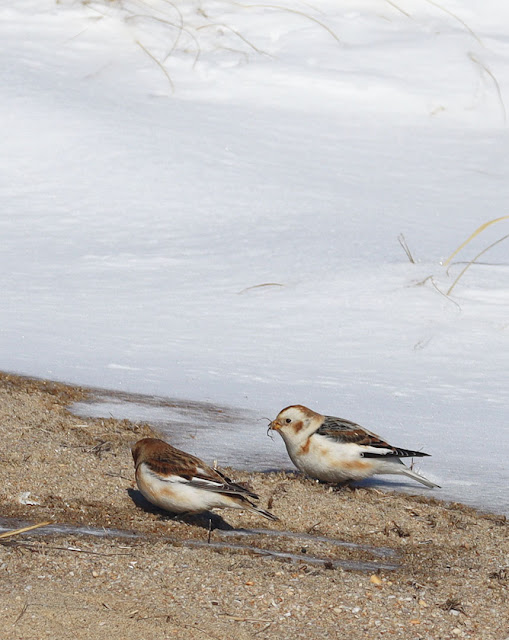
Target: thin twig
<point x="99" y="447"/>
<point x="262" y="629"/>
<point x="21" y="614"/>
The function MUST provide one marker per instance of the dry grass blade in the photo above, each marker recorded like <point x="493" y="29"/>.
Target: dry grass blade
<point x="402" y="241"/>
<point x="393" y="4"/>
<point x="239" y="35"/>
<point x="299" y="13"/>
<point x="476" y="233"/>
<point x="180" y="30"/>
<point x="260" y="286"/>
<point x="242" y="618"/>
<point x="159" y="64"/>
<point x="27" y="545"/>
<point x="15" y="532"/>
<point x="473" y="261"/>
<point x="434" y="285"/>
<point x="495" y="82"/>
<point x="453" y="15"/>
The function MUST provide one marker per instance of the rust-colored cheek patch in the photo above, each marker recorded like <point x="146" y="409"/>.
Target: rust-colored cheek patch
<point x="297" y="426"/>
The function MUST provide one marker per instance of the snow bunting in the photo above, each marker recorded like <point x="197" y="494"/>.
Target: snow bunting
<point x="178" y="482"/>
<point x="335" y="450"/>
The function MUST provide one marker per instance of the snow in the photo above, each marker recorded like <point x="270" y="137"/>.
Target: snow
<point x="202" y="201"/>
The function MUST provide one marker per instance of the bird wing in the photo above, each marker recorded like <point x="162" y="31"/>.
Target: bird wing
<point x="215" y="480"/>
<point x="345" y="432"/>
<point x="170" y="462"/>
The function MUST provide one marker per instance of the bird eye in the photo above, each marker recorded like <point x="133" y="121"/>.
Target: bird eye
<point x="288" y="420"/>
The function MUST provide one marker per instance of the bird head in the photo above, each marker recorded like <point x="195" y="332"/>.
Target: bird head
<point x="295" y="421"/>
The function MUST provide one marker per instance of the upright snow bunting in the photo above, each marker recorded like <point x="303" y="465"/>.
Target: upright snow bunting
<point x="336" y="450"/>
<point x="178" y="482"/>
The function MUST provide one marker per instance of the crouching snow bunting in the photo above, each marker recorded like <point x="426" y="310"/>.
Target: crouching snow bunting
<point x="335" y="450"/>
<point x="178" y="482"/>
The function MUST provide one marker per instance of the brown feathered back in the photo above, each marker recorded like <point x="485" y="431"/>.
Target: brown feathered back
<point x="163" y="458"/>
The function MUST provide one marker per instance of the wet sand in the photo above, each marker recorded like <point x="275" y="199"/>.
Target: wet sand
<point x="411" y="568"/>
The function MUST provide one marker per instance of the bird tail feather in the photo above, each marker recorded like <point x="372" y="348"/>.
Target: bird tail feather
<point x="417" y="476"/>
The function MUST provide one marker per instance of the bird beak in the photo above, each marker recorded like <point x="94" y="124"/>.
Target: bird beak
<point x="275" y="426"/>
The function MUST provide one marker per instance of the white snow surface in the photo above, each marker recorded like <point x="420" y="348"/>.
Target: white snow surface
<point x="202" y="200"/>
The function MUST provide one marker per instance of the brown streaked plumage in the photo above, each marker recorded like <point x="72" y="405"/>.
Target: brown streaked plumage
<point x="181" y="483"/>
<point x="336" y="450"/>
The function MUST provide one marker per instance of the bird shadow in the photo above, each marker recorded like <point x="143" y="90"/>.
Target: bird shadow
<point x="388" y="484"/>
<point x="206" y="520"/>
<point x="366" y="483"/>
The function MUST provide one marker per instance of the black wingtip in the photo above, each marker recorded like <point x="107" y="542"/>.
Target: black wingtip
<point x="395" y="453"/>
<point x="262" y="512"/>
<point x="268" y="515"/>
<point x="405" y="453"/>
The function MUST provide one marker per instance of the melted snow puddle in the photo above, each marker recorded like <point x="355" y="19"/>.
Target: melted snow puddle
<point x="9" y="524"/>
<point x="231" y="436"/>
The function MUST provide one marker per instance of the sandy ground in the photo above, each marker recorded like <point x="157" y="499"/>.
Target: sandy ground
<point x="176" y="578"/>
